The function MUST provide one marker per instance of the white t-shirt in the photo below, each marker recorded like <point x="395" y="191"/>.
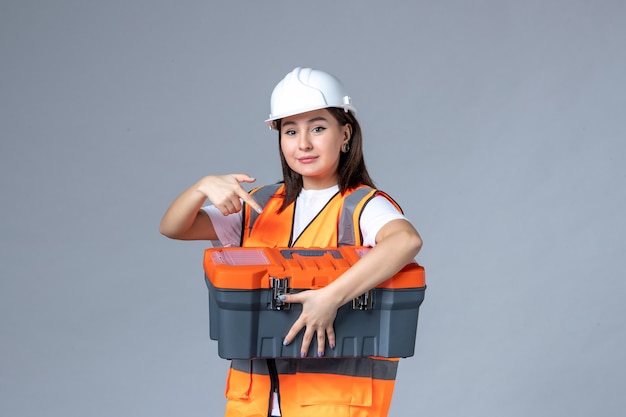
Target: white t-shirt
<point x="376" y="213"/>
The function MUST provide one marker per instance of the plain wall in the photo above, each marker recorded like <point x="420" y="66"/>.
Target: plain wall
<point x="497" y="125"/>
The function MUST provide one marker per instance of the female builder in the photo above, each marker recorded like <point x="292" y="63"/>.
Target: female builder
<point x="324" y="175"/>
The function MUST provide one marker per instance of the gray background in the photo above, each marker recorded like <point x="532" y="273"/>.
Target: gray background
<point x="498" y="125"/>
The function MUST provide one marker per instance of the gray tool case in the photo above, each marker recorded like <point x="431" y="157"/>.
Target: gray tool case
<point x="249" y="321"/>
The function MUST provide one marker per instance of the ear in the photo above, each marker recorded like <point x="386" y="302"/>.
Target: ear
<point x="347" y="132"/>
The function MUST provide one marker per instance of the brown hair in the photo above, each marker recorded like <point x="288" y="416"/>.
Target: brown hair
<point x="351" y="171"/>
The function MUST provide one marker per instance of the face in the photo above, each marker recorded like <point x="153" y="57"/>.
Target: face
<point x="311" y="143"/>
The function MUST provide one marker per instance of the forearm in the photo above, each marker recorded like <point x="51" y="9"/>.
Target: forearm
<point x="398" y="247"/>
<point x="182" y="213"/>
<point x="397" y="243"/>
<point x="184" y="219"/>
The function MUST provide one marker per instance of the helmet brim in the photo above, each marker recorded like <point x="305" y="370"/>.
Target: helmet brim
<point x="271" y="122"/>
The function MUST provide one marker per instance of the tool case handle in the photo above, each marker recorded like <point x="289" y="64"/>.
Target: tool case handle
<point x="288" y="253"/>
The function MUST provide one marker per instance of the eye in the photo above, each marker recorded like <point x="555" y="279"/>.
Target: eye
<point x="289" y="132"/>
<point x="318" y="129"/>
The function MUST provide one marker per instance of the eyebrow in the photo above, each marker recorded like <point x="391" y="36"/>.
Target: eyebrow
<point x="315" y="119"/>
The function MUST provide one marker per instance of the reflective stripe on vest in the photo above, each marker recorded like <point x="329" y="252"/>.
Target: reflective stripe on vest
<point x="343" y="210"/>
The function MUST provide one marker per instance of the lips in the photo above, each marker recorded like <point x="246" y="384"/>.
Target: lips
<point x="307" y="159"/>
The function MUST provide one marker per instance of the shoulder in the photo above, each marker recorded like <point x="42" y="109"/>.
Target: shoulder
<point x="381" y="206"/>
<point x="361" y="197"/>
<point x="377" y="211"/>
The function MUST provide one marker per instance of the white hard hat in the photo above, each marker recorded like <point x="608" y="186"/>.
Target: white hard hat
<point x="306" y="89"/>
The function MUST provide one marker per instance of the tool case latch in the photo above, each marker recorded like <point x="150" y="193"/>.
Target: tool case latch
<point x="363" y="302"/>
<point x="279" y="286"/>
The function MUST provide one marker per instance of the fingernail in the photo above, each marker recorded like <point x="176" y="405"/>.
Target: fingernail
<point x="259" y="211"/>
<point x="332" y="345"/>
<point x="285" y="342"/>
<point x="282" y="297"/>
<point x="320" y="354"/>
<point x="303" y="354"/>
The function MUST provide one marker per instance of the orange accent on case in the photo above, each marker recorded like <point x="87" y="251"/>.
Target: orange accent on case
<point x="251" y="268"/>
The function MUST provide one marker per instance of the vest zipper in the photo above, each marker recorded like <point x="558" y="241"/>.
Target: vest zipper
<point x="274" y="397"/>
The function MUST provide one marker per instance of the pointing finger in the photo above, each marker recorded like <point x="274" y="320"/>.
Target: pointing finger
<point x="251" y="202"/>
<point x="245" y="196"/>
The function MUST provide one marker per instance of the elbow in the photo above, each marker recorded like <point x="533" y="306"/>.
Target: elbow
<point x="164" y="231"/>
<point x="414" y="243"/>
<point x="167" y="231"/>
<point x="401" y="234"/>
<point x="410" y="239"/>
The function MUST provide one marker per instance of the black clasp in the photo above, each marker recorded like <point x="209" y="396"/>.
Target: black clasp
<point x="363" y="302"/>
<point x="279" y="286"/>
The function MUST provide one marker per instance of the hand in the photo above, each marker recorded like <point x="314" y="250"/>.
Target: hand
<point x="317" y="317"/>
<point x="226" y="193"/>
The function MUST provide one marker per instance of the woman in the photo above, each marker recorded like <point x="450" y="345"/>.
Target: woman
<point x="327" y="199"/>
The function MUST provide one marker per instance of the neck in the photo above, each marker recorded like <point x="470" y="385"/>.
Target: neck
<point x="309" y="183"/>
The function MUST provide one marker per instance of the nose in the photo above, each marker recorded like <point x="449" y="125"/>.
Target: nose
<point x="303" y="142"/>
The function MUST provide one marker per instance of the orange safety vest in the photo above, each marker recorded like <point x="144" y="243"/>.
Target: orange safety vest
<point x="309" y="387"/>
